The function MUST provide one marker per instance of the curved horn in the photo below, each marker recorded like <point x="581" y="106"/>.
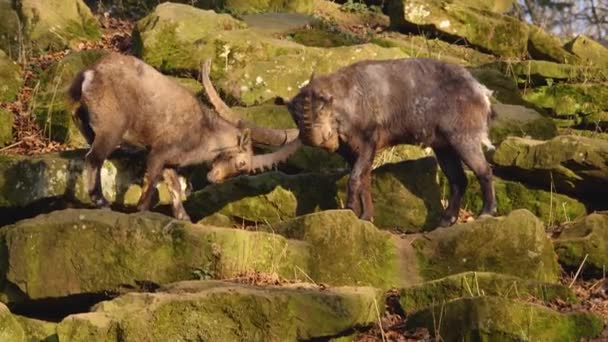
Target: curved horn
<point x="267" y="161"/>
<point x="261" y="135"/>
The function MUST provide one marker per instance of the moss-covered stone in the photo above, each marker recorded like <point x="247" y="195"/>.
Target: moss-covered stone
<point x="564" y="99"/>
<point x="10" y="329"/>
<point x="6" y="127"/>
<point x="519" y="121"/>
<point x="346" y="250"/>
<point x="51" y="105"/>
<point x="74" y="252"/>
<point x="9" y="29"/>
<point x="488" y="318"/>
<point x="538" y="72"/>
<point x="569" y="164"/>
<point x="515" y="244"/>
<point x="10" y="78"/>
<point x="37" y="330"/>
<point x="248" y="66"/>
<point x="551" y="208"/>
<point x="225" y="312"/>
<point x="260" y="6"/>
<point x="503" y="85"/>
<point x="57" y="24"/>
<point x="589" y="51"/>
<point x="585" y="239"/>
<point x="476" y="284"/>
<point x="542" y="45"/>
<point x="405" y="196"/>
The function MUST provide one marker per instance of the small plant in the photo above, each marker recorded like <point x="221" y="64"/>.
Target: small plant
<point x="354" y="7"/>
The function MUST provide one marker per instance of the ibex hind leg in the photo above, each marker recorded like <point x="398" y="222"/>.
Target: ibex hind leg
<point x="102" y="146"/>
<point x="171" y="178"/>
<point x="451" y="165"/>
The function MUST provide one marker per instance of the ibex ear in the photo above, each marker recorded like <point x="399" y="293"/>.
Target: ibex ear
<point x="279" y="101"/>
<point x="245" y="139"/>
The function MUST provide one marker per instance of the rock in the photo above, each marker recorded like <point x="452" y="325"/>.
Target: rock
<point x="248" y="67"/>
<point x="585" y="239"/>
<point x="539" y="72"/>
<point x="6" y="127"/>
<point x="346" y="250"/>
<point x="489" y="318"/>
<point x="515" y="244"/>
<point x="501" y="6"/>
<point x="499" y="34"/>
<point x="552" y="208"/>
<point x="75" y="252"/>
<point x="264" y="6"/>
<point x="474" y="284"/>
<point x="37" y="330"/>
<point x="519" y="121"/>
<point x="504" y="87"/>
<point x="405" y="196"/>
<point x="52" y="108"/>
<point x="10" y="78"/>
<point x="10" y="329"/>
<point x="219" y="311"/>
<point x="571" y="164"/>
<point x="57" y="24"/>
<point x="589" y="51"/>
<point x="9" y="27"/>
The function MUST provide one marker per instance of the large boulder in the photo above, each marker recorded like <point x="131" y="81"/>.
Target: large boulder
<point x="570" y="164"/>
<point x="474" y="284"/>
<point x="585" y="242"/>
<point x="53" y="109"/>
<point x="550" y="207"/>
<point x="515" y="244"/>
<point x="520" y="121"/>
<point x="217" y="311"/>
<point x="6" y="126"/>
<point x="489" y="318"/>
<point x="405" y="196"/>
<point x="9" y="27"/>
<point x="57" y="24"/>
<point x="589" y="51"/>
<point x="75" y="252"/>
<point x="10" y="78"/>
<point x="10" y="329"/>
<point x="249" y="67"/>
<point x="540" y="72"/>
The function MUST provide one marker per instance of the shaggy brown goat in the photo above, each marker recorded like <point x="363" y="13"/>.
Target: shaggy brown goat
<point x="370" y="105"/>
<point x="122" y="99"/>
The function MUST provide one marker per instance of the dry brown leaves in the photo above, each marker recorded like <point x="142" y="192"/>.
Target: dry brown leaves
<point x="28" y="137"/>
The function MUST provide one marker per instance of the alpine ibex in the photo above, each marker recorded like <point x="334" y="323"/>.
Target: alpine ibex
<point x="371" y="105"/>
<point x="122" y="99"/>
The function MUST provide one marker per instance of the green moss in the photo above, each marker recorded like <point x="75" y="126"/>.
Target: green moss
<point x="589" y="51"/>
<point x="10" y="78"/>
<point x="36" y="330"/>
<point x="515" y="244"/>
<point x="543" y="45"/>
<point x="321" y="38"/>
<point x="10" y="329"/>
<point x="571" y="99"/>
<point x="9" y="28"/>
<point x="498" y="319"/>
<point x="512" y="120"/>
<point x="476" y="284"/>
<point x="6" y="127"/>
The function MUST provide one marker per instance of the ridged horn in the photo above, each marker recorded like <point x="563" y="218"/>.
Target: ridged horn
<point x="268" y="161"/>
<point x="260" y="135"/>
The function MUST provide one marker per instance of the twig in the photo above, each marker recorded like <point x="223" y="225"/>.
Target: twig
<point x="578" y="271"/>
<point x="11" y="146"/>
<point x="379" y="321"/>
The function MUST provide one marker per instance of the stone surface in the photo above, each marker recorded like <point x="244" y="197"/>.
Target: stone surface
<point x="9" y="28"/>
<point x="6" y="127"/>
<point x="585" y="239"/>
<point x="519" y="121"/>
<point x="10" y="78"/>
<point x="10" y="329"/>
<point x="474" y="284"/>
<point x="571" y="99"/>
<point x="218" y="311"/>
<point x="515" y="244"/>
<point x="56" y="24"/>
<point x="538" y="72"/>
<point x="572" y="164"/>
<point x="589" y="51"/>
<point x="488" y="318"/>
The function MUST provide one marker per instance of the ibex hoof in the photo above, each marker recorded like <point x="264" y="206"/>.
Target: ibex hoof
<point x="447" y="221"/>
<point x="485" y="216"/>
<point x="101" y="203"/>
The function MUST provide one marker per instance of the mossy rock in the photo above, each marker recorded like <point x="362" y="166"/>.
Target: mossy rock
<point x="263" y="6"/>
<point x="51" y="105"/>
<point x="217" y="311"/>
<point x="475" y="284"/>
<point x="6" y="127"/>
<point x="421" y="46"/>
<point x="589" y="51"/>
<point x="10" y="78"/>
<point x="552" y="208"/>
<point x="57" y="24"/>
<point x="502" y="35"/>
<point x="585" y="242"/>
<point x="515" y="244"/>
<point x="346" y="250"/>
<point x="58" y="254"/>
<point x="545" y="46"/>
<point x="537" y="72"/>
<point x="249" y="67"/>
<point x="504" y="87"/>
<point x="519" y="121"/>
<point x="10" y="329"/>
<point x="488" y="318"/>
<point x="569" y="164"/>
<point x="500" y="6"/>
<point x="9" y="29"/>
<point x="37" y="330"/>
<point x="405" y="196"/>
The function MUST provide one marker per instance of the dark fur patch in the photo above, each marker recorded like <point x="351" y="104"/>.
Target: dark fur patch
<point x="75" y="90"/>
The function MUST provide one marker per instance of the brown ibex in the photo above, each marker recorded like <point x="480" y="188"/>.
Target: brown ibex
<point x="371" y="105"/>
<point x="122" y="99"/>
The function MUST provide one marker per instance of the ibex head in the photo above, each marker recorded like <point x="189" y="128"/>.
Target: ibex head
<point x="312" y="109"/>
<point x="233" y="162"/>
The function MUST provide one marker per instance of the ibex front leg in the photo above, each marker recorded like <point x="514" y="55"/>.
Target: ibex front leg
<point x="175" y="188"/>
